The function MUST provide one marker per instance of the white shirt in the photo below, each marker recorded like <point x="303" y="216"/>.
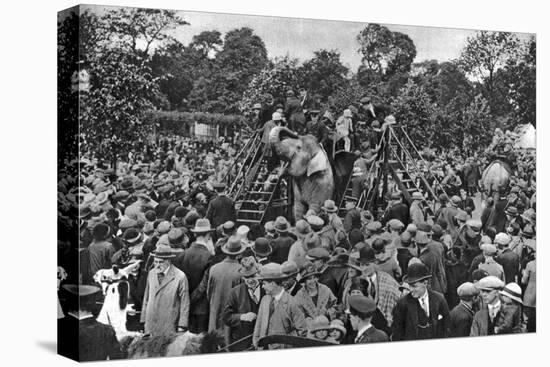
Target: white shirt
<point x="278" y="297"/>
<point x="493" y="309"/>
<point x="362" y="331"/>
<point x="425" y="303"/>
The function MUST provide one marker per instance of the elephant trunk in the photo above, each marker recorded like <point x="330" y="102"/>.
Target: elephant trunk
<point x="276" y="135"/>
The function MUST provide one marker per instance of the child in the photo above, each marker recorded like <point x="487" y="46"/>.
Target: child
<point x="337" y="331"/>
<point x="511" y="320"/>
<point x="318" y="328"/>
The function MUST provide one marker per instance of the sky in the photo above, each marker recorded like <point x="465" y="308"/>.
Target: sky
<point x="299" y="38"/>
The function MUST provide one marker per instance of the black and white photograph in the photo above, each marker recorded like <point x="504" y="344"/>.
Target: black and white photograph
<point x="239" y="183"/>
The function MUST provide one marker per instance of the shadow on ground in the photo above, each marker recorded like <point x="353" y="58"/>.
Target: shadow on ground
<point x="50" y="346"/>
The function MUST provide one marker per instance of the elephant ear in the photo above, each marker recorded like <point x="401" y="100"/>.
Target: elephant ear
<point x="319" y="162"/>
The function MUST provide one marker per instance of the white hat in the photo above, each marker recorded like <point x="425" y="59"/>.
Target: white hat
<point x="502" y="239"/>
<point x="276" y="116"/>
<point x="347" y="113"/>
<point x="242" y="232"/>
<point x="513" y="291"/>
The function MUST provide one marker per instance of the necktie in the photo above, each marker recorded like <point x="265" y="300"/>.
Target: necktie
<point x="253" y="296"/>
<point x="271" y="307"/>
<point x="424" y="306"/>
<point x="161" y="277"/>
<point x="372" y="289"/>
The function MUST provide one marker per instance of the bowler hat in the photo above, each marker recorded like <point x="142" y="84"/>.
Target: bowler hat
<point x="416" y="273"/>
<point x="163" y="252"/>
<point x="233" y="246"/>
<point x="366" y="255"/>
<point x="262" y="247"/>
<point x="132" y="235"/>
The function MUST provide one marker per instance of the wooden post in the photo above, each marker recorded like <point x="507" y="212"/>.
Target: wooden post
<point x="387" y="143"/>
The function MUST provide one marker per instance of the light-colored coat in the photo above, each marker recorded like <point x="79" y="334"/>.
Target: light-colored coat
<point x="166" y="305"/>
<point x="530" y="278"/>
<point x="297" y="253"/>
<point x="223" y="276"/>
<point x="287" y="319"/>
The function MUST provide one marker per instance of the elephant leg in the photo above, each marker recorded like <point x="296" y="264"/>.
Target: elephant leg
<point x="299" y="207"/>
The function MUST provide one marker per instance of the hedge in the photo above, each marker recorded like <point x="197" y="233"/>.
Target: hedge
<point x="177" y="121"/>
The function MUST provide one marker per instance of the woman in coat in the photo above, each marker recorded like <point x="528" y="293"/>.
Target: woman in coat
<point x="314" y="299"/>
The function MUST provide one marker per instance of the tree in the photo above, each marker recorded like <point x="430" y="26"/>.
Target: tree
<point x="484" y="54"/>
<point x="139" y="29"/>
<point x="384" y="53"/>
<point x="276" y="78"/>
<point x="324" y="74"/>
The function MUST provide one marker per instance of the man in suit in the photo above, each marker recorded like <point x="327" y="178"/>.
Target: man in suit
<point x="462" y="315"/>
<point x="509" y="260"/>
<point x="79" y="336"/>
<point x="178" y="201"/>
<point x="241" y="308"/>
<point x="281" y="245"/>
<point x="423" y="313"/>
<point x="279" y="313"/>
<point x="360" y="313"/>
<point x="194" y="262"/>
<point x="433" y="259"/>
<point x="221" y="209"/>
<point x="353" y="215"/>
<point x="490" y="315"/>
<point x="397" y="210"/>
<point x="165" y="307"/>
<point x="222" y="277"/>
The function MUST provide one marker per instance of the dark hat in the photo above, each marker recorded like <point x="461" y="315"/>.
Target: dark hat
<point x="424" y="227"/>
<point x="309" y="270"/>
<point x="281" y="224"/>
<point x="366" y="255"/>
<point x="163" y="252"/>
<point x="362" y="304"/>
<point x="132" y="235"/>
<point x="262" y="247"/>
<point x="355" y="236"/>
<point x="416" y="273"/>
<point x="233" y="246"/>
<point x="101" y="231"/>
<point x="181" y="212"/>
<point x="150" y="215"/>
<point x="378" y="245"/>
<point x="179" y="194"/>
<point x="479" y="274"/>
<point x="437" y="231"/>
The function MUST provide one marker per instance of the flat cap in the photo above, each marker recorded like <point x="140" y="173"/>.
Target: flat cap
<point x="467" y="290"/>
<point x="315" y="221"/>
<point x="164" y="227"/>
<point x="395" y="224"/>
<point x="318" y="253"/>
<point x="374" y="226"/>
<point x="489" y="248"/>
<point x="424" y="227"/>
<point x="502" y="239"/>
<point x="490" y="283"/>
<point x="362" y="304"/>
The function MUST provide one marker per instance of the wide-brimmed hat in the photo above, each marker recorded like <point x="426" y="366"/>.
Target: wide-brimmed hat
<point x="249" y="267"/>
<point x="512" y="211"/>
<point x="289" y="268"/>
<point x="202" y="225"/>
<point x="502" y="239"/>
<point x="513" y="291"/>
<point x="319" y="323"/>
<point x="163" y="252"/>
<point x="309" y="270"/>
<point x="261" y="247"/>
<point x="132" y="235"/>
<point x="281" y="224"/>
<point x="233" y="246"/>
<point x="315" y="222"/>
<point x="416" y="273"/>
<point x="329" y="206"/>
<point x="272" y="271"/>
<point x="302" y="228"/>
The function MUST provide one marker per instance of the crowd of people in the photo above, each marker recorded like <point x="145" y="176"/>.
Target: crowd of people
<point x="163" y="220"/>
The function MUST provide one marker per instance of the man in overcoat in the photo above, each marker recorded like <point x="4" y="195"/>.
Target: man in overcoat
<point x="462" y="315"/>
<point x="165" y="307"/>
<point x="221" y="209"/>
<point x="423" y="313"/>
<point x="279" y="312"/>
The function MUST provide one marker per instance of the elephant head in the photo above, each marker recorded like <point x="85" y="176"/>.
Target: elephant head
<point x="303" y="153"/>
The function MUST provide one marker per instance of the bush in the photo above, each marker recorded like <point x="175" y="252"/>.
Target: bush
<point x="180" y="122"/>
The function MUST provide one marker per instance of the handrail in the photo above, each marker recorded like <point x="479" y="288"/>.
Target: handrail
<point x="241" y="169"/>
<point x="236" y="159"/>
<point x="258" y="163"/>
<point x="373" y="163"/>
<point x="440" y="186"/>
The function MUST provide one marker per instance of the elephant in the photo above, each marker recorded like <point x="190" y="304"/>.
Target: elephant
<point x="495" y="178"/>
<point x="309" y="166"/>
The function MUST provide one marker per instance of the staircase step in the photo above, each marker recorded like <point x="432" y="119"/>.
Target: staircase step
<point x="260" y="192"/>
<point x="251" y="211"/>
<point x="248" y="220"/>
<point x="251" y="202"/>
